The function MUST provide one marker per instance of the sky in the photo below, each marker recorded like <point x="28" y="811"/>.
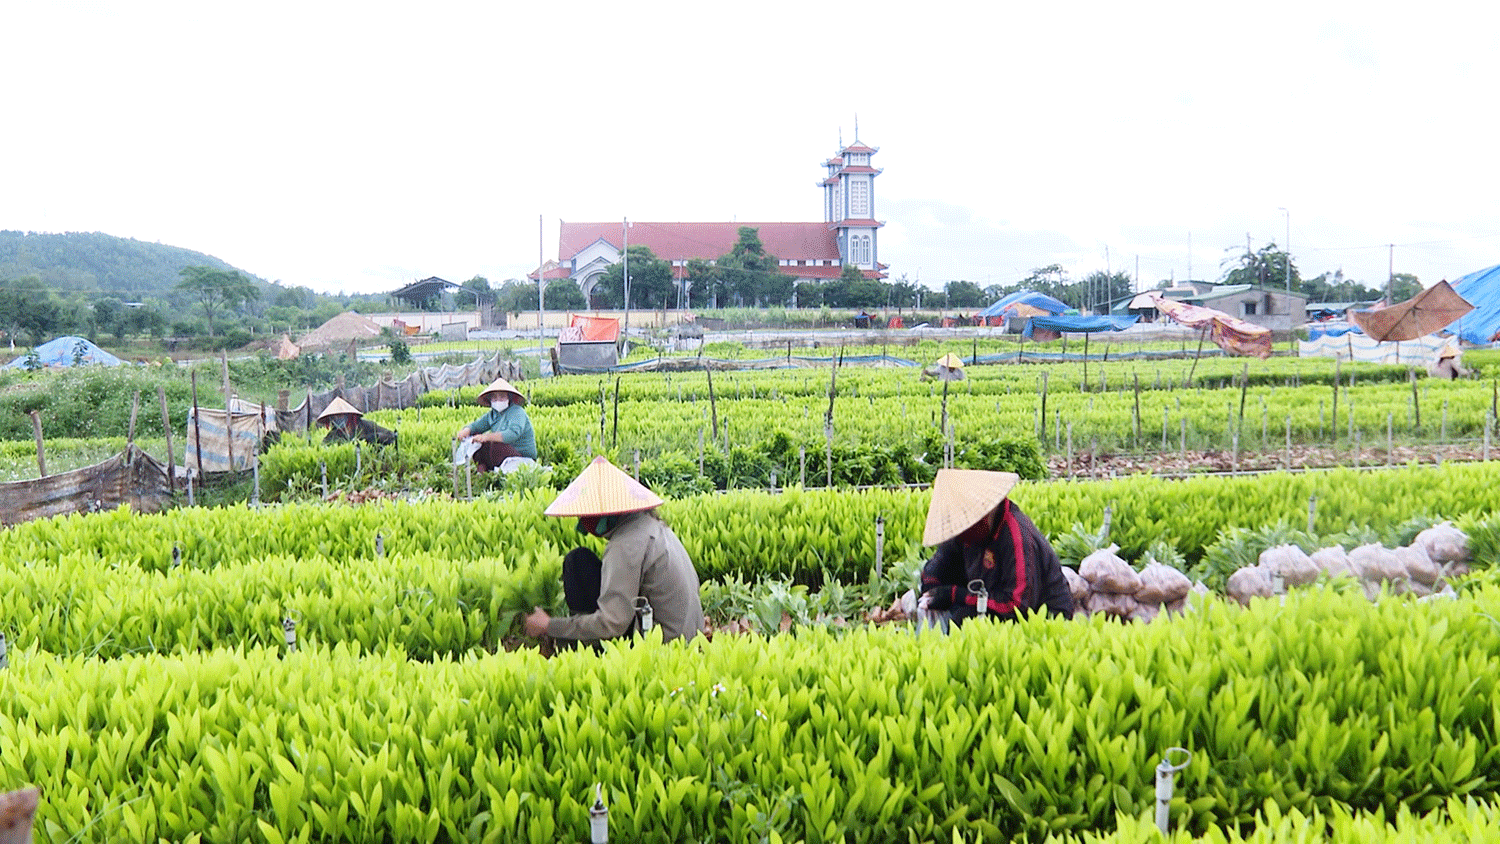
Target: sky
<point x="356" y="147"/>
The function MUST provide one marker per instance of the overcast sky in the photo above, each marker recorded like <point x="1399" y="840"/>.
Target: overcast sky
<point x="357" y="147"/>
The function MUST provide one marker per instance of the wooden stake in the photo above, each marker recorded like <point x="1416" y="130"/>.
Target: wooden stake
<point x="135" y="407"/>
<point x="1043" y="434"/>
<point x="614" y="431"/>
<point x="1334" y="419"/>
<point x="41" y="456"/>
<point x="166" y="425"/>
<point x="713" y="402"/>
<point x="198" y="429"/>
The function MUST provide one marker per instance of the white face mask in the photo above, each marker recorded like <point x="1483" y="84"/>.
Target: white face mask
<point x="499" y="405"/>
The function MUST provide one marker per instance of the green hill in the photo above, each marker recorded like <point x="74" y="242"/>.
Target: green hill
<point x="91" y="262"/>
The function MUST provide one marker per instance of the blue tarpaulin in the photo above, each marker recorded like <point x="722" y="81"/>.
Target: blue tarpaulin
<point x="1331" y="329"/>
<point x="1482" y="290"/>
<point x="1078" y="324"/>
<point x="1025" y="297"/>
<point x="65" y="351"/>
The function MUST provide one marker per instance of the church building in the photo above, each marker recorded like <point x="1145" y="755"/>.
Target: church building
<point x="805" y="251"/>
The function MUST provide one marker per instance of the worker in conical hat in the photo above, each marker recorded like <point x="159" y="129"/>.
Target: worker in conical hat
<point x="504" y="431"/>
<point x="645" y="579"/>
<point x="989" y="558"/>
<point x="1447" y="364"/>
<point x="346" y="423"/>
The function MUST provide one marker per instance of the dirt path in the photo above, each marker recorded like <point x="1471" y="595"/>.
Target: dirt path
<point x="1107" y="464"/>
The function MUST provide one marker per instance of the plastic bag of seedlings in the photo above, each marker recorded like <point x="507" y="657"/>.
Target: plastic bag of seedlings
<point x="1249" y="582"/>
<point x="1292" y="563"/>
<point x="1106" y="572"/>
<point x="1116" y="604"/>
<point x="1375" y="563"/>
<point x="1078" y="586"/>
<point x="1334" y="561"/>
<point x="1161" y="584"/>
<point x="1444" y="543"/>
<point x="1419" y="567"/>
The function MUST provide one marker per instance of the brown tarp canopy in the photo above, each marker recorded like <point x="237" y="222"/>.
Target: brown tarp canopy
<point x="1430" y="311"/>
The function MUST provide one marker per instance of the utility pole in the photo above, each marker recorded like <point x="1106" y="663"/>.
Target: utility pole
<point x="1287" y="250"/>
<point x="1390" y="279"/>
<point x="625" y="258"/>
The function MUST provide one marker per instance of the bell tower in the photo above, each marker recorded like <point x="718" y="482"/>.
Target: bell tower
<point x="849" y="203"/>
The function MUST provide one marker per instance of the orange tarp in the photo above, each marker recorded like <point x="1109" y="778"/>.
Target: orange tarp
<point x="585" y="329"/>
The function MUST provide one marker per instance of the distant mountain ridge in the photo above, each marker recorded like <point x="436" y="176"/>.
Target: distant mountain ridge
<point x="93" y="262"/>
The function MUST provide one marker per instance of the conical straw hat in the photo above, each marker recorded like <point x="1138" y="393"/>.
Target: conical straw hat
<point x="960" y="498"/>
<point x="601" y="489"/>
<point x="502" y="385"/>
<point x="951" y="361"/>
<point x="1449" y="350"/>
<point x="338" y="406"/>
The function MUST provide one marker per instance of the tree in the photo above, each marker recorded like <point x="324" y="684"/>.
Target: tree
<point x="109" y="315"/>
<point x="216" y="289"/>
<point x="707" y="286"/>
<point x="1053" y="281"/>
<point x="563" y="294"/>
<point x="853" y="290"/>
<point x="1102" y="289"/>
<point x="904" y="293"/>
<point x="472" y="292"/>
<point x="1266" y="268"/>
<point x="753" y="273"/>
<point x="809" y="294"/>
<point x="650" y="282"/>
<point x="515" y="296"/>
<point x="1403" y="286"/>
<point x="964" y="294"/>
<point x="28" y="307"/>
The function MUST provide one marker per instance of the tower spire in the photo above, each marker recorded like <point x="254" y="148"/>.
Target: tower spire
<point x="856" y="127"/>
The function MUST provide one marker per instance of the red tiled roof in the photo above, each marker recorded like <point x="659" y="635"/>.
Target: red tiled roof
<point x="858" y="147"/>
<point x="825" y="273"/>
<point x="859" y="168"/>
<point x="682" y="241"/>
<point x="852" y="223"/>
<point x="833" y="162"/>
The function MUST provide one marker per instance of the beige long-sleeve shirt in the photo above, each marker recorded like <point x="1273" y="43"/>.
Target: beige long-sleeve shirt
<point x="643" y="558"/>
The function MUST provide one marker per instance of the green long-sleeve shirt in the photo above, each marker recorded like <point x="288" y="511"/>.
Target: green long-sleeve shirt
<point x="513" y="426"/>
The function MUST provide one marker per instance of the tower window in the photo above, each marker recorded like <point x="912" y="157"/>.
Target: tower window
<point x="859" y="198"/>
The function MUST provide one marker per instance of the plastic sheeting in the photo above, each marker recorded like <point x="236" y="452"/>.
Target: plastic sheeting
<point x="586" y="329"/>
<point x="1481" y="289"/>
<point x="131" y="477"/>
<point x="64" y="350"/>
<point x="1033" y="299"/>
<point x="1231" y="334"/>
<point x="1357" y="346"/>
<point x="1430" y="311"/>
<point x="1055" y="326"/>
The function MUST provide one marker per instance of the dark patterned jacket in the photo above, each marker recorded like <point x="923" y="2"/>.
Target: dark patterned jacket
<point x="1017" y="565"/>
